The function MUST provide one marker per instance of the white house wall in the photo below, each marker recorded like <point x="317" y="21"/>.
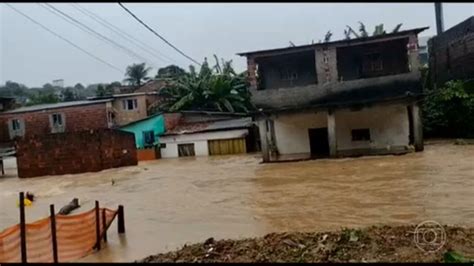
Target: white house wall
<point x="198" y="139"/>
<point x="388" y="126"/>
<point x="291" y="130"/>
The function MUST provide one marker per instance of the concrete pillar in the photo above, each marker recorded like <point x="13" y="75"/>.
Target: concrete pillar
<point x="326" y="65"/>
<point x="417" y="127"/>
<point x="413" y="57"/>
<point x="252" y="69"/>
<point x="332" y="133"/>
<point x="262" y="128"/>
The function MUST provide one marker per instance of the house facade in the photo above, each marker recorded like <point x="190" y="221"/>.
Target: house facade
<point x="55" y="118"/>
<point x="129" y="107"/>
<point x="203" y="134"/>
<point x="343" y="98"/>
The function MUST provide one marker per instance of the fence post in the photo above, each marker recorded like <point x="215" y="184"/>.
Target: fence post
<point x="104" y="225"/>
<point x="53" y="233"/>
<point x="121" y="220"/>
<point x="97" y="225"/>
<point x="23" y="228"/>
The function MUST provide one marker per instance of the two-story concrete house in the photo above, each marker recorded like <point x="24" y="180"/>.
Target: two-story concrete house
<point x="342" y="98"/>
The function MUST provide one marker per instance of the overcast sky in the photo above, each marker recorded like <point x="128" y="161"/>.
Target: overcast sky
<point x="33" y="56"/>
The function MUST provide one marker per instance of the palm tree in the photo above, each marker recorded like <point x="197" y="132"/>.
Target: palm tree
<point x="137" y="74"/>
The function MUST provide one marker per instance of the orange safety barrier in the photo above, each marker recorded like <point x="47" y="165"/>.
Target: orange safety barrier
<point x="76" y="237"/>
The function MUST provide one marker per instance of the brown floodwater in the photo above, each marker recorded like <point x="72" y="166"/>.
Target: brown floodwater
<point x="171" y="202"/>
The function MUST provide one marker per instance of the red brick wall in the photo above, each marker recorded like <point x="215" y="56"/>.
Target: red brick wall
<point x="77" y="118"/>
<point x="75" y="152"/>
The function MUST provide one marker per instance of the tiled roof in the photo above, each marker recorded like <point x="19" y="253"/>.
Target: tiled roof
<point x="189" y="128"/>
<point x="152" y="86"/>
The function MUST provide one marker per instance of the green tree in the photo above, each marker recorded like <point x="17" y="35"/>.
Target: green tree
<point x="137" y="74"/>
<point x="170" y="72"/>
<point x="214" y="89"/>
<point x="43" y="98"/>
<point x="449" y="111"/>
<point x="68" y="95"/>
<point x="102" y="90"/>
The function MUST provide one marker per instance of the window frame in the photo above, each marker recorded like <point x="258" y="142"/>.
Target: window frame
<point x="126" y="103"/>
<point x="56" y="127"/>
<point x="360" y="134"/>
<point x="145" y="143"/>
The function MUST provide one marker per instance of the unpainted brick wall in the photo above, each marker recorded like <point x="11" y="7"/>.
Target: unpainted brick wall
<point x="77" y="118"/>
<point x="75" y="152"/>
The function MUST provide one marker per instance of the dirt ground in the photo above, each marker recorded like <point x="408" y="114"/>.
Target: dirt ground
<point x="373" y="244"/>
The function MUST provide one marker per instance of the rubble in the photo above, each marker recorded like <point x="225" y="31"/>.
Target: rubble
<point x="373" y="244"/>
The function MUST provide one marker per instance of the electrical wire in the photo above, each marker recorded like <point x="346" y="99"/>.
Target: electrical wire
<point x="145" y="47"/>
<point x="154" y="32"/>
<point x="87" y="29"/>
<point x="64" y="39"/>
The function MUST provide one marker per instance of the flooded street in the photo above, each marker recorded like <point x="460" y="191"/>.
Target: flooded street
<point x="171" y="202"/>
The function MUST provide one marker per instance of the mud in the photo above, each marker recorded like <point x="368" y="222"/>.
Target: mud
<point x="171" y="202"/>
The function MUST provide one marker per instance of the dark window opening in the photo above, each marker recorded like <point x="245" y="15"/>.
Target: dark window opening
<point x="130" y="104"/>
<point x="373" y="60"/>
<point x="287" y="70"/>
<point x="362" y="134"/>
<point x="57" y="120"/>
<point x="163" y="145"/>
<point x="148" y="138"/>
<point x="16" y="124"/>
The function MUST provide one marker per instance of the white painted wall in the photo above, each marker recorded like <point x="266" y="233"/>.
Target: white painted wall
<point x="199" y="140"/>
<point x="388" y="127"/>
<point x="291" y="130"/>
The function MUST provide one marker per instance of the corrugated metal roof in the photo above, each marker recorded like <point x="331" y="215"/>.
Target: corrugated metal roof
<point x="189" y="128"/>
<point x="40" y="107"/>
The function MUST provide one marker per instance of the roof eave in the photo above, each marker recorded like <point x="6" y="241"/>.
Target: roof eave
<point x="400" y="33"/>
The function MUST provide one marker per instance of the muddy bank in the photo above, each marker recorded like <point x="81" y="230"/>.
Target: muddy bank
<point x="373" y="244"/>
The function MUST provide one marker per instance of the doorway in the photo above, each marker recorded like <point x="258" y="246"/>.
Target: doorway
<point x="318" y="142"/>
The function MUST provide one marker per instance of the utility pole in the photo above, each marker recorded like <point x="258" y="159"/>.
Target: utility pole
<point x="439" y="18"/>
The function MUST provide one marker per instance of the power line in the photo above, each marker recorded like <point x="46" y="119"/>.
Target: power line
<point x="122" y="33"/>
<point x="87" y="29"/>
<point x="154" y="32"/>
<point x="62" y="38"/>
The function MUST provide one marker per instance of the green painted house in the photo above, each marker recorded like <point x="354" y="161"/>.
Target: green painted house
<point x="146" y="131"/>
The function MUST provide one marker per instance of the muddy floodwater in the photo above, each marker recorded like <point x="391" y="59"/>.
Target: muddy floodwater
<point x="171" y="202"/>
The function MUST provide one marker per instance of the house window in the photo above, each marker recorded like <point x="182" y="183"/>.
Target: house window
<point x="185" y="150"/>
<point x="288" y="74"/>
<point x="57" y="123"/>
<point x="148" y="138"/>
<point x="16" y="124"/>
<point x="16" y="128"/>
<point x="362" y="134"/>
<point x="372" y="63"/>
<point x="163" y="145"/>
<point x="130" y="104"/>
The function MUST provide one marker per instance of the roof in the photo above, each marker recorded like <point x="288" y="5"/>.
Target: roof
<point x="152" y="86"/>
<point x="339" y="42"/>
<point x="212" y="113"/>
<point x="94" y="98"/>
<point x="190" y="128"/>
<point x="41" y="107"/>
